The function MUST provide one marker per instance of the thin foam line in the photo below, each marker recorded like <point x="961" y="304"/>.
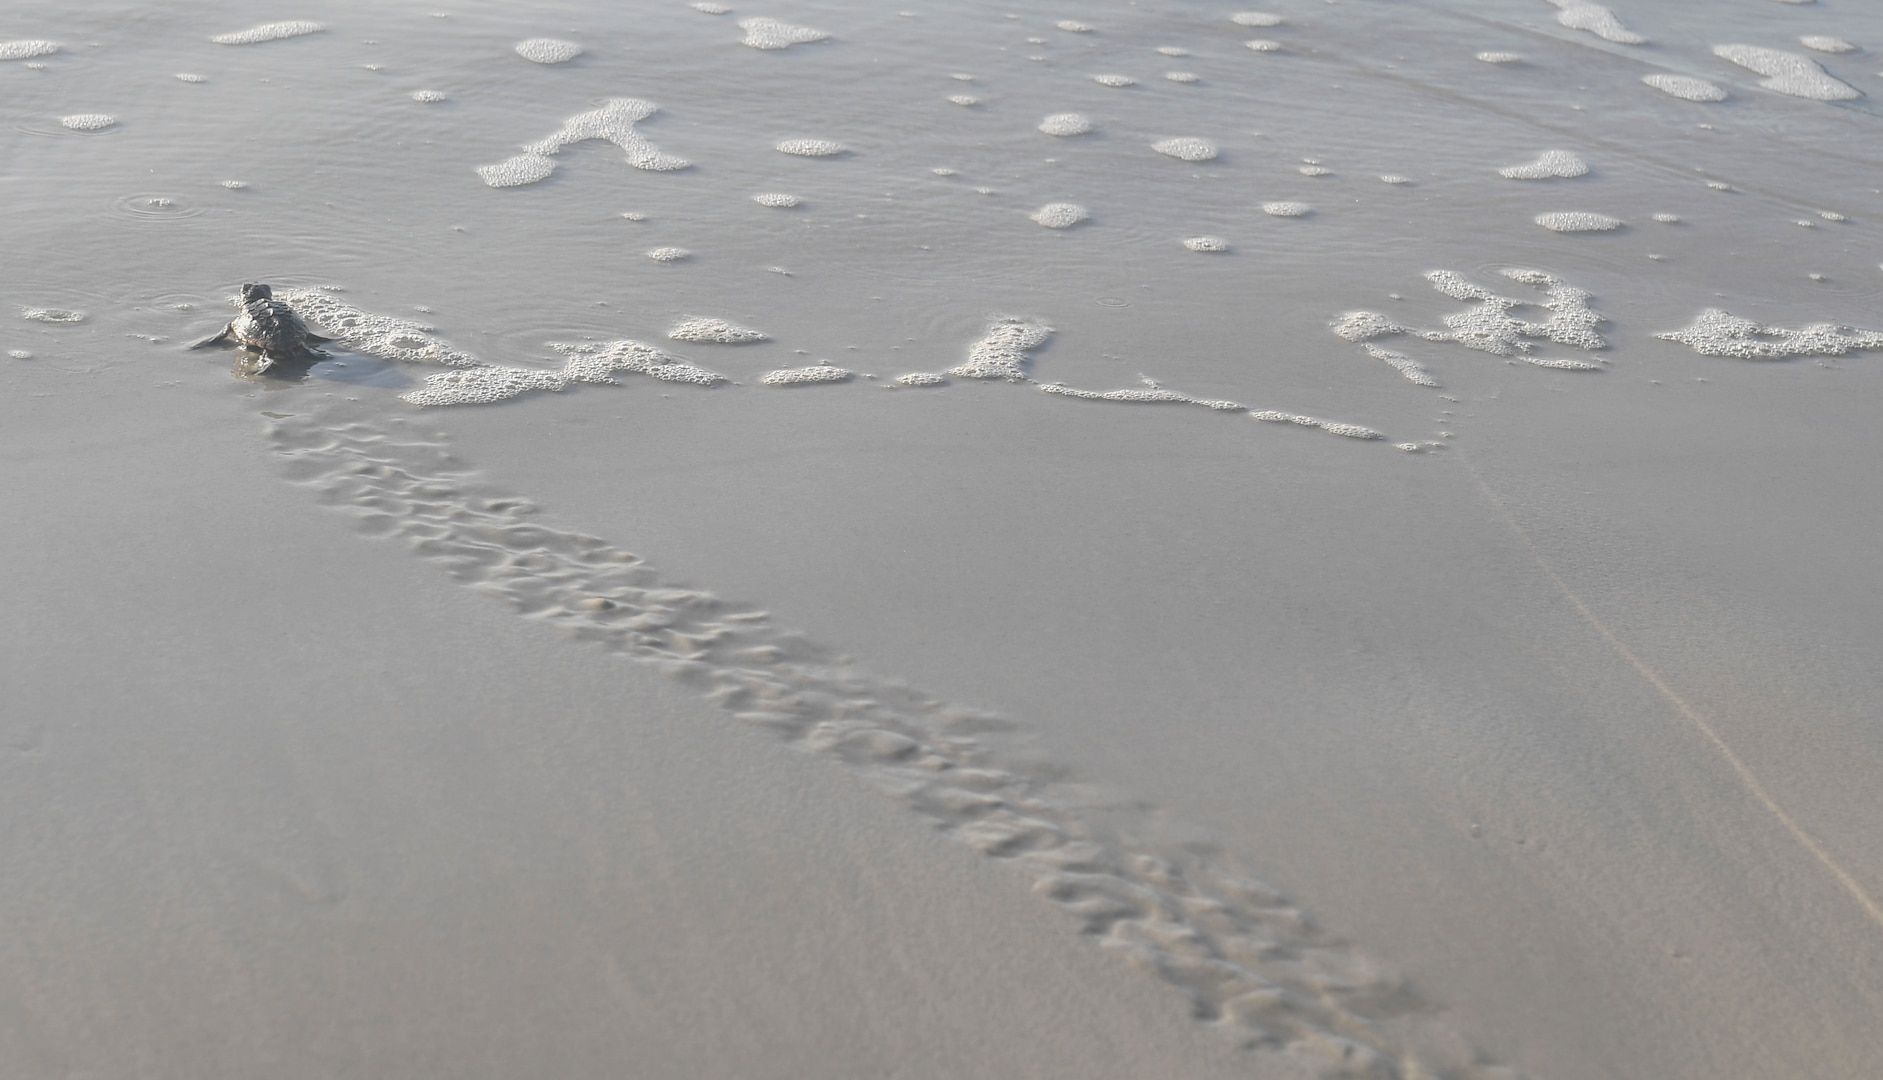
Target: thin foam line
<point x="1850" y="884"/>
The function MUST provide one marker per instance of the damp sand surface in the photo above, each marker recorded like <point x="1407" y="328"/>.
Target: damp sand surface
<point x="648" y="721"/>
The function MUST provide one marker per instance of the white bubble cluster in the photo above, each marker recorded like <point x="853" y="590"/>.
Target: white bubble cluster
<point x="1067" y="123"/>
<point x="1788" y="73"/>
<point x="1685" y="87"/>
<point x="188" y="78"/>
<point x="19" y="354"/>
<point x="1496" y="57"/>
<point x="776" y="199"/>
<point x="964" y="99"/>
<point x="1114" y="80"/>
<point x="1001" y="353"/>
<point x="1173" y="50"/>
<point x="1255" y="18"/>
<point x="1717" y="333"/>
<point x="483" y="385"/>
<point x="669" y="254"/>
<point x="921" y="378"/>
<point x="1181" y="76"/>
<point x="1400" y="362"/>
<point x="1351" y="431"/>
<point x="27" y="49"/>
<point x="709" y="7"/>
<point x="812" y="148"/>
<point x="716" y="331"/>
<point x="1286" y="209"/>
<point x="588" y="359"/>
<point x="614" y="121"/>
<point x="517" y="171"/>
<point x="1151" y="393"/>
<point x="1597" y="20"/>
<point x="1576" y="221"/>
<point x="1186" y="149"/>
<point x="1551" y="164"/>
<point x="52" y="315"/>
<point x="235" y="185"/>
<point x="1072" y="26"/>
<point x="542" y="50"/>
<point x="764" y="33"/>
<point x="588" y="362"/>
<point x="383" y="336"/>
<point x="825" y="372"/>
<point x="1060" y="215"/>
<point x="1206" y="244"/>
<point x="88" y="121"/>
<point x="428" y="97"/>
<point x="274" y="31"/>
<point x="1820" y="43"/>
<point x="1490" y="325"/>
<point x="1393" y="178"/>
<point x="1667" y="219"/>
<point x="1262" y="45"/>
<point x="1315" y="170"/>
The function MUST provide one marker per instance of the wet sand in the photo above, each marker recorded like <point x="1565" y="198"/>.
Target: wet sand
<point x="1411" y="635"/>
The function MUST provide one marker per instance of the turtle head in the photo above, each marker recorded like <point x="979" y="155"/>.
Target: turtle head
<point x="256" y="292"/>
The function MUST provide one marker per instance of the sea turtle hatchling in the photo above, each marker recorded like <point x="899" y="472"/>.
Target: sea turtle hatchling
<point x="270" y="327"/>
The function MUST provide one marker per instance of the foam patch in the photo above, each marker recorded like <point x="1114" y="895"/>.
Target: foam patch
<point x="812" y="148"/>
<point x="1715" y="332"/>
<point x="1001" y="353"/>
<point x="1287" y="209"/>
<point x="1151" y="392"/>
<point x="1067" y="124"/>
<point x="613" y="122"/>
<point x="716" y="331"/>
<point x="1788" y="73"/>
<point x="548" y="50"/>
<point x="1577" y="221"/>
<point x="274" y="31"/>
<point x="1206" y="244"/>
<point x="1119" y="81"/>
<point x="1597" y="20"/>
<point x="1186" y="149"/>
<point x="813" y="375"/>
<point x="1411" y="369"/>
<point x="88" y="121"/>
<point x="1685" y="87"/>
<point x="1061" y="215"/>
<point x="1490" y="325"/>
<point x="1820" y="43"/>
<point x="1332" y="427"/>
<point x="52" y="315"/>
<point x="27" y="49"/>
<point x="764" y="33"/>
<point x="1550" y="164"/>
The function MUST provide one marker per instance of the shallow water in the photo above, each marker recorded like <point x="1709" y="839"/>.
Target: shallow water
<point x="1544" y="699"/>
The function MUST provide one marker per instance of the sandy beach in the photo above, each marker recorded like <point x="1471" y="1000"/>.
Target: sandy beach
<point x="1114" y="540"/>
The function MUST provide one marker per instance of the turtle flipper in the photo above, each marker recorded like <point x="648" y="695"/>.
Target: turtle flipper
<point x="317" y="339"/>
<point x="219" y="338"/>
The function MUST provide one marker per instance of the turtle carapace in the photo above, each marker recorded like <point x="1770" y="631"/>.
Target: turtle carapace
<point x="267" y="326"/>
